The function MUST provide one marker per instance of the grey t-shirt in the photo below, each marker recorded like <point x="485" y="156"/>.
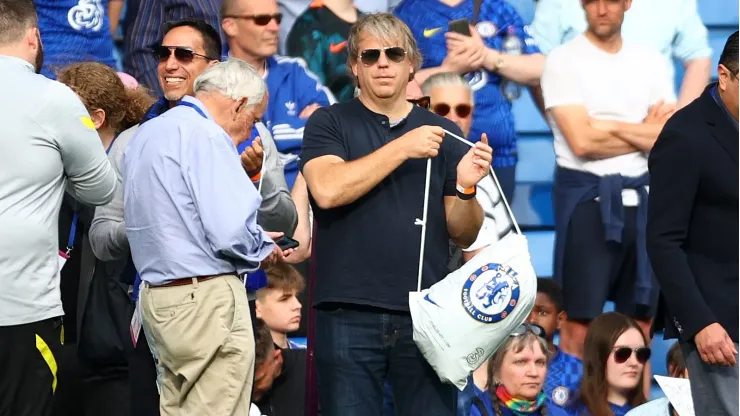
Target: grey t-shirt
<point x="47" y="143"/>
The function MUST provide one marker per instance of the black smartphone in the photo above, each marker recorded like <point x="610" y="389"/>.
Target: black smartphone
<point x="461" y="26"/>
<point x="286" y="243"/>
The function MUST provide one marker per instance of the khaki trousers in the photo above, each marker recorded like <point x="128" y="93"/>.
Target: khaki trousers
<point x="203" y="335"/>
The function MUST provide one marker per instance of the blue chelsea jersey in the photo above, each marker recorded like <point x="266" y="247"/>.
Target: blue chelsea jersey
<point x="74" y="31"/>
<point x="292" y="87"/>
<point x="563" y="377"/>
<point x="428" y="21"/>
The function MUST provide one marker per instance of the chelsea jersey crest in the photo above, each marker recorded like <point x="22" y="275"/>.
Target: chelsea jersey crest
<point x="491" y="293"/>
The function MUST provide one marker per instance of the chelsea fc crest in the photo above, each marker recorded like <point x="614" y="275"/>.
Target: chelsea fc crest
<point x="491" y="293"/>
<point x="560" y="395"/>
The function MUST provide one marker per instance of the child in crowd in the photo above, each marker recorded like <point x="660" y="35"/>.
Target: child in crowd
<point x="564" y="371"/>
<point x="278" y="305"/>
<point x="676" y="366"/>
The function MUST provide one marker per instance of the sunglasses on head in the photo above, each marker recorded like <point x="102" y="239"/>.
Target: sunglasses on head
<point x="422" y="102"/>
<point x="182" y="54"/>
<point x="524" y="328"/>
<point x="394" y="54"/>
<point x="622" y="354"/>
<point x="260" y="19"/>
<point x="462" y="110"/>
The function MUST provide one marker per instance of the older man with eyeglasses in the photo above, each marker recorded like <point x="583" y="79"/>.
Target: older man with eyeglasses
<point x="193" y="240"/>
<point x="187" y="48"/>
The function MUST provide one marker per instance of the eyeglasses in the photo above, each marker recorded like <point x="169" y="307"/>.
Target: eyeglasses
<point x="524" y="328"/>
<point x="394" y="54"/>
<point x="422" y="102"/>
<point x="182" y="54"/>
<point x="622" y="354"/>
<point x="462" y="110"/>
<point x="260" y="19"/>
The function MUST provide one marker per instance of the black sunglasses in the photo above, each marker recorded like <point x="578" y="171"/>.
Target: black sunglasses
<point x="422" y="102"/>
<point x="622" y="354"/>
<point x="182" y="54"/>
<point x="260" y="19"/>
<point x="524" y="328"/>
<point x="462" y="110"/>
<point x="394" y="54"/>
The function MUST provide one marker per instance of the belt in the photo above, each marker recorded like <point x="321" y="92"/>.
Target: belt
<point x="190" y="280"/>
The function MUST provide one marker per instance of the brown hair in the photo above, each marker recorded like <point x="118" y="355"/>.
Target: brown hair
<point x="263" y="344"/>
<point x="602" y="334"/>
<point x="675" y="362"/>
<point x="283" y="276"/>
<point x="99" y="87"/>
<point x="16" y="16"/>
<point x="385" y="27"/>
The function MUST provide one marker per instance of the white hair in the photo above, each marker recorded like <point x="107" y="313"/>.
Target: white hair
<point x="233" y="78"/>
<point x="444" y="79"/>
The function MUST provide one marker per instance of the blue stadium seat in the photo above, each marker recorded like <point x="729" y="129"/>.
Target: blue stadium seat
<point x="533" y="204"/>
<point x="660" y="349"/>
<point x="541" y="246"/>
<point x="527" y="117"/>
<point x="719" y="12"/>
<point x="300" y="340"/>
<point x="717" y="39"/>
<point x="536" y="159"/>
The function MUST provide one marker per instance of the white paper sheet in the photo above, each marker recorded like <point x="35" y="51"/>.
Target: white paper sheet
<point x="678" y="392"/>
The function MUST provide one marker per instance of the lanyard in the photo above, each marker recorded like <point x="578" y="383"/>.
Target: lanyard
<point x="76" y="217"/>
<point x="258" y="279"/>
<point x="194" y="107"/>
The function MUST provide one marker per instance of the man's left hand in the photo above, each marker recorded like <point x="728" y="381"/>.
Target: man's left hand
<point x="252" y="157"/>
<point x="277" y="255"/>
<point x="475" y="165"/>
<point x="308" y="110"/>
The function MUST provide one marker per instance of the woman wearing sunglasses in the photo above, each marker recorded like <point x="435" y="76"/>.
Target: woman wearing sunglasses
<point x="477" y="52"/>
<point x="450" y="96"/>
<point x="614" y="359"/>
<point x="516" y="375"/>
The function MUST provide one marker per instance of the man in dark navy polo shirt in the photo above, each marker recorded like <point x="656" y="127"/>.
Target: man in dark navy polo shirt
<point x="365" y="164"/>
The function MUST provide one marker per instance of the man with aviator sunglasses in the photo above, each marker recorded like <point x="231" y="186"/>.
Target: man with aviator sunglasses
<point x="252" y="29"/>
<point x="364" y="162"/>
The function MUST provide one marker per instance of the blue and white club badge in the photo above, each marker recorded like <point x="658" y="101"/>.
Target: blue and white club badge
<point x="486" y="29"/>
<point x="560" y="395"/>
<point x="491" y="293"/>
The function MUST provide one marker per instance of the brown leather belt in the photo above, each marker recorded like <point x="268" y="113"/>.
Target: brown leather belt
<point x="189" y="280"/>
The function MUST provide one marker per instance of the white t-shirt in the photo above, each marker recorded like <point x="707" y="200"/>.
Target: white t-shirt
<point x="612" y="86"/>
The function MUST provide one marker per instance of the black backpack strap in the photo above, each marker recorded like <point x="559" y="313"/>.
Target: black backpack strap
<point x="476" y="11"/>
<point x="481" y="407"/>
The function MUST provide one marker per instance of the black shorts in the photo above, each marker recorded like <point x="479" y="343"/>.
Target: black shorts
<point x="596" y="270"/>
<point x="29" y="359"/>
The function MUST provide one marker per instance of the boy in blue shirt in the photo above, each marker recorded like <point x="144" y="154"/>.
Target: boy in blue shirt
<point x="564" y="371"/>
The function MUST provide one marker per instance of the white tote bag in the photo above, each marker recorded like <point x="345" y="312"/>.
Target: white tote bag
<point x="460" y="321"/>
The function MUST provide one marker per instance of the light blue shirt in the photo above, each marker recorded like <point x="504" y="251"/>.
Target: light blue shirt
<point x="189" y="208"/>
<point x="672" y="27"/>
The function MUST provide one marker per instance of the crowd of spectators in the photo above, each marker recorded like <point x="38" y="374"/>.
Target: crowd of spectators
<point x="208" y="206"/>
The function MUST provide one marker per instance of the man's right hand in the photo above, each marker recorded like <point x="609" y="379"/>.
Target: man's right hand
<point x="715" y="346"/>
<point x="422" y="142"/>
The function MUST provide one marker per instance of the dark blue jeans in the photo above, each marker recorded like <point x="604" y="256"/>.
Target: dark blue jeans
<point x="358" y="349"/>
